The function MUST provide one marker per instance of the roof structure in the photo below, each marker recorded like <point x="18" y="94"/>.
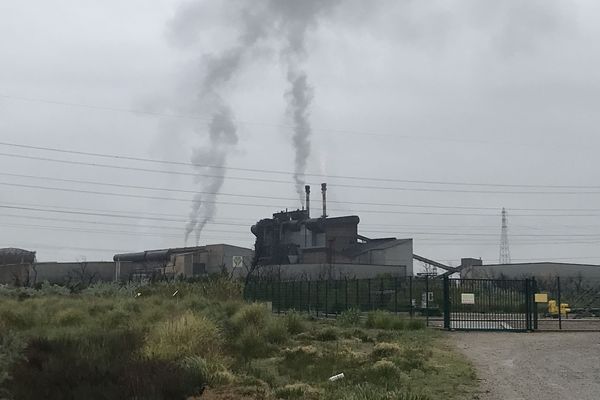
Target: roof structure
<point x="11" y="256"/>
<point x="373" y="244"/>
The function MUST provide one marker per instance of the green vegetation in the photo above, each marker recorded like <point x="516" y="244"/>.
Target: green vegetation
<point x="178" y="340"/>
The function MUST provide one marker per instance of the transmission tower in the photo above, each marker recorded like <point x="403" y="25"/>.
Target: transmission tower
<point x="504" y="250"/>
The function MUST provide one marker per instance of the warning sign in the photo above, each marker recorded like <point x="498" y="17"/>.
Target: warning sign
<point x="467" y="298"/>
<point x="238" y="261"/>
<point x="541" y="297"/>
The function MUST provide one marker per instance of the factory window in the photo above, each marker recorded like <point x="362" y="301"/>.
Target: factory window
<point x="198" y="269"/>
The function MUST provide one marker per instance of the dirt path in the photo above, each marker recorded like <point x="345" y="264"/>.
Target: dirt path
<point x="523" y="366"/>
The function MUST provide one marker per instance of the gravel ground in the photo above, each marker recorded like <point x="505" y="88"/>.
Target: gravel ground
<point x="541" y="365"/>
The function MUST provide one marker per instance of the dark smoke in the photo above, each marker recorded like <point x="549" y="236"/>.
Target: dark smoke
<point x="255" y="20"/>
<point x="296" y="19"/>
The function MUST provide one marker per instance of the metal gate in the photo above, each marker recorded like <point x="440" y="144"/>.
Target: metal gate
<point x="488" y="304"/>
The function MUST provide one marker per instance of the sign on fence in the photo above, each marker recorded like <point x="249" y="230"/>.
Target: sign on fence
<point x="467" y="298"/>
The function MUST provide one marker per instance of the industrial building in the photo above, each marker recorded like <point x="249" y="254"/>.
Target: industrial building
<point x="15" y="266"/>
<point x="183" y="262"/>
<point x="19" y="267"/>
<point x="294" y="244"/>
<point x="539" y="270"/>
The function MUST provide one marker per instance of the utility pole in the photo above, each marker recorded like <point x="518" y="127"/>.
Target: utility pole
<point x="504" y="250"/>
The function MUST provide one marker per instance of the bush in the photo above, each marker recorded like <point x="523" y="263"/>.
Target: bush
<point x="415" y="324"/>
<point x="413" y="359"/>
<point x="297" y="391"/>
<point x="327" y="335"/>
<point x="382" y="350"/>
<point x="212" y="372"/>
<point x="251" y="343"/>
<point x="383" y="320"/>
<point x="368" y="391"/>
<point x="301" y="355"/>
<point x="14" y="318"/>
<point x="382" y="372"/>
<point x="187" y="335"/>
<point x="350" y="317"/>
<point x="11" y="351"/>
<point x="103" y="365"/>
<point x="276" y="332"/>
<point x="253" y="315"/>
<point x="69" y="317"/>
<point x="295" y="323"/>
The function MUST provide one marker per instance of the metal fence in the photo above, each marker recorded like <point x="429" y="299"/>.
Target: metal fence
<point x="580" y="300"/>
<point x="467" y="304"/>
<point x="488" y="304"/>
<point x="409" y="295"/>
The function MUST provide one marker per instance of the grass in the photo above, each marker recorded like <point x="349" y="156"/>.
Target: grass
<point x="108" y="342"/>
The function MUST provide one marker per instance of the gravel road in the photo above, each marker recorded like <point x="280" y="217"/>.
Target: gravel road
<point x="542" y="365"/>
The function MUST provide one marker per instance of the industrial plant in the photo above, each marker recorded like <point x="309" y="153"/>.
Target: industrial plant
<point x="294" y="243"/>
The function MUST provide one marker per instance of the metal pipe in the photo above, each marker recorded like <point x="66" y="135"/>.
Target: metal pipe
<point x="307" y="190"/>
<point x="324" y="192"/>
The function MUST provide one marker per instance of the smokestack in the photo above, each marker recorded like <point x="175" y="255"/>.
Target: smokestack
<point x="324" y="192"/>
<point x="307" y="190"/>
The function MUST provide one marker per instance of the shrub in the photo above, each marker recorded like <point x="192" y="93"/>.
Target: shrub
<point x="276" y="332"/>
<point x="415" y="324"/>
<point x="350" y="317"/>
<point x="212" y="372"/>
<point x="382" y="350"/>
<point x="382" y="372"/>
<point x="368" y="391"/>
<point x="383" y="320"/>
<point x="251" y="343"/>
<point x="103" y="365"/>
<point x="297" y="391"/>
<point x="301" y="355"/>
<point x="295" y="323"/>
<point x="69" y="317"/>
<point x="14" y="318"/>
<point x="186" y="335"/>
<point x="328" y="334"/>
<point x="253" y="315"/>
<point x="413" y="359"/>
<point x="11" y="351"/>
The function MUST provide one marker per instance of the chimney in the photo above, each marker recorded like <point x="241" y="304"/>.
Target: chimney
<point x="307" y="190"/>
<point x="324" y="192"/>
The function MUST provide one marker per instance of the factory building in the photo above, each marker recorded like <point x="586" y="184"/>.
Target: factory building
<point x="539" y="270"/>
<point x="183" y="262"/>
<point x="15" y="266"/>
<point x="294" y="244"/>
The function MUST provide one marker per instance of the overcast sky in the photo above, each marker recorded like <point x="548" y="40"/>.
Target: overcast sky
<point x="502" y="95"/>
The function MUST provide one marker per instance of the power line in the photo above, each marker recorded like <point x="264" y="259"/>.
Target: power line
<point x="111" y="232"/>
<point x="244" y="122"/>
<point x="279" y="206"/>
<point x="428" y="233"/>
<point x="288" y="173"/>
<point x="365" y="187"/>
<point x="140" y="215"/>
<point x="183" y="218"/>
<point x="171" y="190"/>
<point x="120" y="224"/>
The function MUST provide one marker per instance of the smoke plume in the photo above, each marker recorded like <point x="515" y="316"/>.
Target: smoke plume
<point x="218" y="71"/>
<point x="296" y="18"/>
<point x="254" y="21"/>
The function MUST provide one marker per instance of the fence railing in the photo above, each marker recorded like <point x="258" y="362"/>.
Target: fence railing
<point x="409" y="295"/>
<point x="580" y="299"/>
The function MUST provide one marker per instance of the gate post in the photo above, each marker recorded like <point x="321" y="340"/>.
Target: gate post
<point x="446" y="303"/>
<point x="527" y="305"/>
<point x="534" y="304"/>
<point x="559" y="300"/>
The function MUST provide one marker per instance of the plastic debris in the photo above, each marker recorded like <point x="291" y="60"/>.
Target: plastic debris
<point x="336" y="377"/>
